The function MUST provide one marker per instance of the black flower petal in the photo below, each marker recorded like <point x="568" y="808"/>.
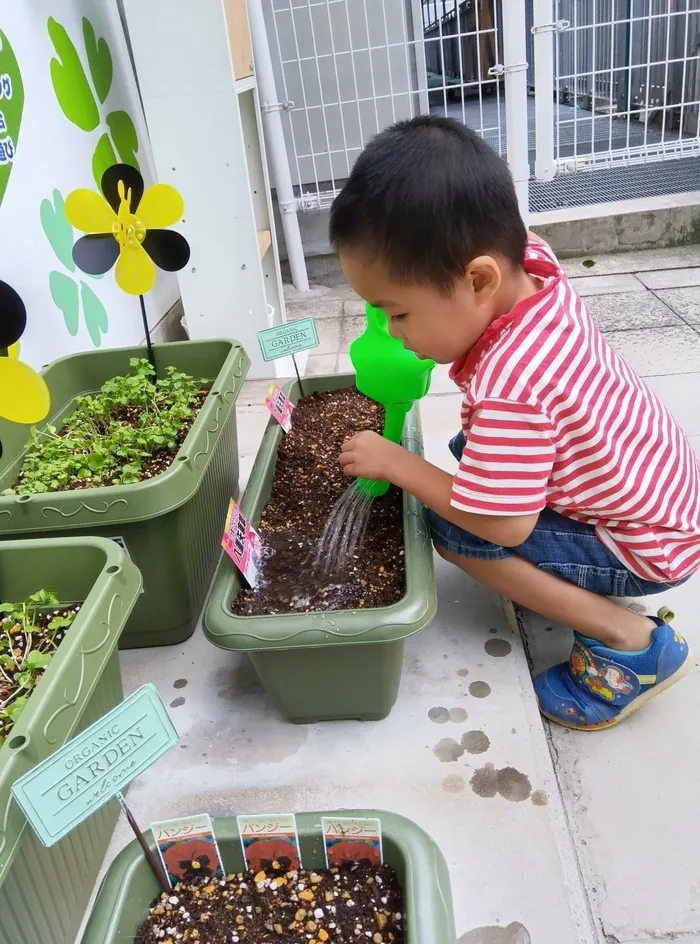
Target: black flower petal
<point x="13" y="315"/>
<point x="96" y="253"/>
<point x="132" y="180"/>
<point x="168" y="249"/>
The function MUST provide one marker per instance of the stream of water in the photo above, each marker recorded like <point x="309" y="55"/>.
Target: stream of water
<point x="344" y="531"/>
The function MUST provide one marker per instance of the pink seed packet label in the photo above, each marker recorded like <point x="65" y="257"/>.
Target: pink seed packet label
<point x="348" y="839"/>
<point x="267" y="839"/>
<point x="242" y="543"/>
<point x="281" y="407"/>
<point x="188" y="847"/>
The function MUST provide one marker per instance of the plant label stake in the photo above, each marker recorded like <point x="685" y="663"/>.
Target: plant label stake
<point x="242" y="543"/>
<point x="82" y="776"/>
<point x="347" y="839"/>
<point x="280" y="406"/>
<point x="188" y="844"/>
<point x="160" y="873"/>
<point x="147" y="331"/>
<point x="270" y="838"/>
<point x="288" y="339"/>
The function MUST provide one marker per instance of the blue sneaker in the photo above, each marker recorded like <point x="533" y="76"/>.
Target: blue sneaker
<point x="598" y="686"/>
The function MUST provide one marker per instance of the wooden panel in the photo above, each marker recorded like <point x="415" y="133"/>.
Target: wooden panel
<point x="264" y="241"/>
<point x="239" y="37"/>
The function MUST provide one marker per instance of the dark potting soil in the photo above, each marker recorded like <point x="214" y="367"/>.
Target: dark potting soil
<point x="339" y="906"/>
<point x="308" y="481"/>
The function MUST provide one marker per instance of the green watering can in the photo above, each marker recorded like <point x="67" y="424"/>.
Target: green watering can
<point x="391" y="375"/>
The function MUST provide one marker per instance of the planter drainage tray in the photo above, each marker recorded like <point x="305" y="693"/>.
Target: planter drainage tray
<point x="169" y="525"/>
<point x="44" y="892"/>
<point x="335" y="664"/>
<point x="129" y="886"/>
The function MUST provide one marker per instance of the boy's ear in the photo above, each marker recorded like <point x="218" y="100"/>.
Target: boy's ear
<point x="485" y="276"/>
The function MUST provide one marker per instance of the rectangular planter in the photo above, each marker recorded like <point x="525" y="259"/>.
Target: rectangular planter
<point x="129" y="886"/>
<point x="332" y="665"/>
<point x="44" y="892"/>
<point x="170" y="525"/>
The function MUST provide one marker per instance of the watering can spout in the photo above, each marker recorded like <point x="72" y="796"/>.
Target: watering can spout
<point x="389" y="374"/>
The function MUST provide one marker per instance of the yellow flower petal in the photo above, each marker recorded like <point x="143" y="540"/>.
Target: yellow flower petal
<point x="160" y="206"/>
<point x="24" y="396"/>
<point x="135" y="273"/>
<point x="89" y="212"/>
<point x="13" y="350"/>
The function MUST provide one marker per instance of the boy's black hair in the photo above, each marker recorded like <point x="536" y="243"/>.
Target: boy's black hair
<point x="426" y="196"/>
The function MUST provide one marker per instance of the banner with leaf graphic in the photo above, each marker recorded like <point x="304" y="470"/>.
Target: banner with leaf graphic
<point x="69" y="109"/>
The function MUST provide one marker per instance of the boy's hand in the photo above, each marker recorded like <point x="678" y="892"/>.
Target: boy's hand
<point x="368" y="455"/>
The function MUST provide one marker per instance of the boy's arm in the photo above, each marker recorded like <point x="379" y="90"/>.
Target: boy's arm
<point x="368" y="455"/>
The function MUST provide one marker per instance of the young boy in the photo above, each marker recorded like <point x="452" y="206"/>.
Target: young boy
<point x="574" y="483"/>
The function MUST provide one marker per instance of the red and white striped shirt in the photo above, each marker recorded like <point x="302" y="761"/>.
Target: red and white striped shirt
<point x="554" y="417"/>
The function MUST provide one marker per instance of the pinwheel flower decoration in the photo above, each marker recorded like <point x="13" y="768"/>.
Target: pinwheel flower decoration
<point x="24" y="396"/>
<point x="126" y="226"/>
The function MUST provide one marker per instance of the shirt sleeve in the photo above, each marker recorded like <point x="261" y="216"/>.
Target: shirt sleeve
<point x="507" y="460"/>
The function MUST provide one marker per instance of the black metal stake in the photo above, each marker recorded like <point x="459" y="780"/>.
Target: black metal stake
<point x="149" y="346"/>
<point x="163" y="880"/>
<point x="301" y="389"/>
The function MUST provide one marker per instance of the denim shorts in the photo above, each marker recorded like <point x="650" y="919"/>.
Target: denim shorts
<point x="558" y="545"/>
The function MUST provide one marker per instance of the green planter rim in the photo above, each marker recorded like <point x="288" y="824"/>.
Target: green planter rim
<point x="336" y="627"/>
<point x="70" y="678"/>
<point x="428" y="912"/>
<point x="123" y="504"/>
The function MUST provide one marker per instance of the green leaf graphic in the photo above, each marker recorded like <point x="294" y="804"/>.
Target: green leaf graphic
<point x="11" y="108"/>
<point x="57" y="229"/>
<point x="64" y="292"/>
<point x="70" y="82"/>
<point x="102" y="158"/>
<point x="99" y="60"/>
<point x="124" y="135"/>
<point x="95" y="314"/>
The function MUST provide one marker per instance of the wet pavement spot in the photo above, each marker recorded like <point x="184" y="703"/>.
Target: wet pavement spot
<point x="479" y="689"/>
<point x="475" y="742"/>
<point x="539" y="798"/>
<point x="177" y="702"/>
<point x="510" y="783"/>
<point x="448" y="750"/>
<point x="549" y="629"/>
<point x="180" y="683"/>
<point x="493" y="630"/>
<point x="453" y="783"/>
<point x="463" y="672"/>
<point x="498" y="647"/>
<point x="515" y="933"/>
<point x="439" y="715"/>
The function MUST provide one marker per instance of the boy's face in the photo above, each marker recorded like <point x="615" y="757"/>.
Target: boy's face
<point x="434" y="325"/>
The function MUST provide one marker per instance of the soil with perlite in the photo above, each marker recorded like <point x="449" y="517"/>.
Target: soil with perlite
<point x="338" y="906"/>
<point x="308" y="482"/>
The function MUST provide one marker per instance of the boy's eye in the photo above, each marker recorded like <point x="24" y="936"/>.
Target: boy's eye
<point x="398" y="317"/>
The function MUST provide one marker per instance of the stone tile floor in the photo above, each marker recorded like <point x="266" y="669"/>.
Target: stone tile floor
<point x="552" y="837"/>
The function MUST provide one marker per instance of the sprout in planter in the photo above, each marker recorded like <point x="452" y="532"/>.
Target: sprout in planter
<point x="30" y="633"/>
<point x="24" y="396"/>
<point x="125" y="226"/>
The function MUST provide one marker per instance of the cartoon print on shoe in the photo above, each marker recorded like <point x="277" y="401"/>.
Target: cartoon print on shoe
<point x="599" y="686"/>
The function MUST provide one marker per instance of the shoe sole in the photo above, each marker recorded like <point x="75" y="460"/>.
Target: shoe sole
<point x="685" y="669"/>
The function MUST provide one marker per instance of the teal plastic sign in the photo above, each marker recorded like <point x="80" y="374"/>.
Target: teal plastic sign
<point x="87" y="772"/>
<point x="288" y="339"/>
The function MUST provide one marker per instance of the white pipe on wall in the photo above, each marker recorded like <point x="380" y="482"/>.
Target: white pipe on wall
<point x="515" y="76"/>
<point x="276" y="146"/>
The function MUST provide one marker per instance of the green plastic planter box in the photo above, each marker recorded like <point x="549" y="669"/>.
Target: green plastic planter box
<point x="335" y="665"/>
<point x="129" y="886"/>
<point x="44" y="892"/>
<point x="170" y="525"/>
